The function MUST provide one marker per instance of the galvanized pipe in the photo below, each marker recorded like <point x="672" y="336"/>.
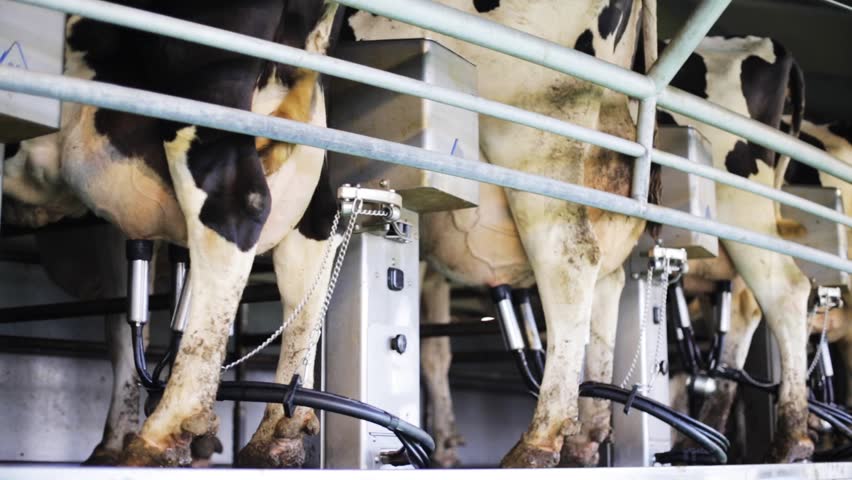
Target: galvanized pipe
<point x="720" y="176"/>
<point x="645" y="135"/>
<point x="685" y="41"/>
<point x="217" y="38"/>
<point x="160" y="24"/>
<point x="473" y="29"/>
<point x="240" y="121"/>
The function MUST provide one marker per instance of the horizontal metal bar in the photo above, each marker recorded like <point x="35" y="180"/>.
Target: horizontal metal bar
<point x="473" y="29"/>
<point x="678" y="101"/>
<point x="673" y="161"/>
<point x="214" y="37"/>
<point x="230" y="119"/>
<point x="160" y="24"/>
<point x="686" y="40"/>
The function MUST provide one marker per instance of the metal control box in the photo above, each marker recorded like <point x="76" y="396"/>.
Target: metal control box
<point x="372" y="344"/>
<point x="819" y="233"/>
<point x="31" y="38"/>
<point x="686" y="192"/>
<point x="387" y="115"/>
<point x="638" y="436"/>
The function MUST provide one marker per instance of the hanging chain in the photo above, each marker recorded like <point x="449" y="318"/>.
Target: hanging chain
<point x="661" y="327"/>
<point x="826" y="299"/>
<point x="309" y="294"/>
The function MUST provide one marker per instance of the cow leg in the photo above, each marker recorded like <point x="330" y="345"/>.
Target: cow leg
<point x="595" y="415"/>
<point x="563" y="252"/>
<point x="435" y="359"/>
<point x="224" y="198"/>
<point x="782" y="292"/>
<point x="279" y="440"/>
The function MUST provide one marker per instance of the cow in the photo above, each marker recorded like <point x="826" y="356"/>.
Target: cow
<point x="754" y="77"/>
<point x="569" y="248"/>
<point x="226" y="196"/>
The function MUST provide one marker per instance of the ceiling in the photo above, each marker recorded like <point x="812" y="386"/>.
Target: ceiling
<point x="818" y="34"/>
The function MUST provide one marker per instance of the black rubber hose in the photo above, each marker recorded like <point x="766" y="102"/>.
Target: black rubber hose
<point x="169" y="356"/>
<point x="834" y="455"/>
<point x="526" y="374"/>
<point x="538" y="362"/>
<point x="743" y="378"/>
<point x="275" y="393"/>
<point x="685" y="457"/>
<point x="703" y="435"/>
<point x="139" y="360"/>
<point x="414" y="456"/>
<point x="826" y="415"/>
<point x="839" y="414"/>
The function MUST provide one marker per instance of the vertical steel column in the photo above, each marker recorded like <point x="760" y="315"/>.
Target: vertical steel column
<point x="685" y="42"/>
<point x="645" y="136"/>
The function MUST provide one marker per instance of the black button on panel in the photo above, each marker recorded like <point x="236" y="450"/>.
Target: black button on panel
<point x="396" y="279"/>
<point x="399" y="343"/>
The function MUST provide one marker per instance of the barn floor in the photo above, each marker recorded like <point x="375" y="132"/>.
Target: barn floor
<point x="823" y="471"/>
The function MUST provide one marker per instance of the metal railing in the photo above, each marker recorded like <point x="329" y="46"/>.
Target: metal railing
<point x="652" y="89"/>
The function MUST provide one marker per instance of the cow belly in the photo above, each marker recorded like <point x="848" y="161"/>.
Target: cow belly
<point x="477" y="246"/>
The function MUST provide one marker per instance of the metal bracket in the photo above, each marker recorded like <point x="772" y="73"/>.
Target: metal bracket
<point x="829" y="297"/>
<point x="670" y="261"/>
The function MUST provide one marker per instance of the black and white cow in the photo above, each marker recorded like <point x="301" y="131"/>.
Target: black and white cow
<point x="754" y="77"/>
<point x="574" y="252"/>
<point x="226" y="196"/>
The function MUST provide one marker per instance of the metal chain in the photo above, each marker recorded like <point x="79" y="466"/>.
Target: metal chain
<point x="642" y="319"/>
<point x="664" y="293"/>
<point x="302" y="304"/>
<point x="822" y="339"/>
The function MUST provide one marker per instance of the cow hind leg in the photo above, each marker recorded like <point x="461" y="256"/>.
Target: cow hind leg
<point x="565" y="257"/>
<point x="279" y="440"/>
<point x="435" y="360"/>
<point x="220" y="186"/>
<point x="595" y="415"/>
<point x="782" y="290"/>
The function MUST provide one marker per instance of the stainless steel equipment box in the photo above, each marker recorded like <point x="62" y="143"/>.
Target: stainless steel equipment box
<point x="819" y="233"/>
<point x="686" y="192"/>
<point x="638" y="436"/>
<point x="31" y="38"/>
<point x="380" y="113"/>
<point x="372" y="344"/>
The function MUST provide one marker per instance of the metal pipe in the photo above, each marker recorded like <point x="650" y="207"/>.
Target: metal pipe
<point x="32" y="313"/>
<point x="678" y="101"/>
<point x="720" y="176"/>
<point x="214" y="37"/>
<point x="473" y="29"/>
<point x="147" y="21"/>
<point x="685" y="41"/>
<point x="645" y="135"/>
<point x="479" y="31"/>
<point x="223" y="118"/>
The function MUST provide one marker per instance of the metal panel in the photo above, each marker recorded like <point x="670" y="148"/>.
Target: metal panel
<point x="687" y="192"/>
<point x="379" y="113"/>
<point x="364" y="317"/>
<point x="637" y="436"/>
<point x="31" y="38"/>
<point x="820" y="233"/>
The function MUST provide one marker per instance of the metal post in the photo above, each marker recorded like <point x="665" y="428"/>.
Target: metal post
<point x="240" y="121"/>
<point x="686" y="40"/>
<point x="645" y="135"/>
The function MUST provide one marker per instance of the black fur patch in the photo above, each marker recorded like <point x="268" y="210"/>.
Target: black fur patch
<point x="316" y="222"/>
<point x="842" y="129"/>
<point x="740" y="161"/>
<point x="665" y="118"/>
<point x="614" y="18"/>
<point x="10" y="150"/>
<point x="584" y="43"/>
<point x="799" y="173"/>
<point x="692" y="76"/>
<point x="483" y="6"/>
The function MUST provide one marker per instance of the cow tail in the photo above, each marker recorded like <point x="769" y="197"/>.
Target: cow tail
<point x="649" y="32"/>
<point x="796" y="97"/>
<point x="320" y="38"/>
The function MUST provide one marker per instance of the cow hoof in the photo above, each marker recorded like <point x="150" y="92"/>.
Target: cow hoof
<point x="445" y="458"/>
<point x="792" y="450"/>
<point x="141" y="453"/>
<point x="579" y="453"/>
<point x="275" y="453"/>
<point x="526" y="455"/>
<point x="103" y="457"/>
<point x="202" y="448"/>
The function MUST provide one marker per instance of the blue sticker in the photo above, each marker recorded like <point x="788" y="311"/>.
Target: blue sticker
<point x="456" y="151"/>
<point x="14" y="57"/>
<point x="707" y="212"/>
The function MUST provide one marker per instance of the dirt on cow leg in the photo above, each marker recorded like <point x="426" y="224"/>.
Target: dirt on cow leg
<point x="279" y="441"/>
<point x="792" y="443"/>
